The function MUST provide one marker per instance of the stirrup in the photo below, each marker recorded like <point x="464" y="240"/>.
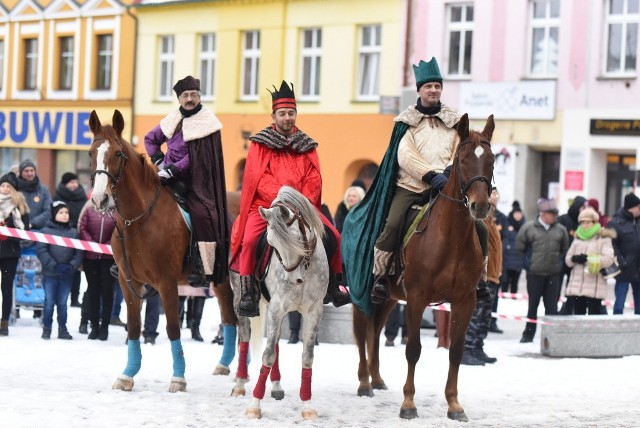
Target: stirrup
<point x="380" y="290"/>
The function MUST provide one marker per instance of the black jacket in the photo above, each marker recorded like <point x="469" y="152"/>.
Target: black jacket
<point x="626" y="245"/>
<point x="10" y="247"/>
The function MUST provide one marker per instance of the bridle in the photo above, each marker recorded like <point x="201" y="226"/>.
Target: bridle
<point x="309" y="245"/>
<point x="464" y="185"/>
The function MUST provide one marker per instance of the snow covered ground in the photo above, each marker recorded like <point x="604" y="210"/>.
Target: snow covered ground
<point x="60" y="383"/>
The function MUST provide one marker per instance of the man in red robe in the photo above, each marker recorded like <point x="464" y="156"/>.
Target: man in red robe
<point x="279" y="155"/>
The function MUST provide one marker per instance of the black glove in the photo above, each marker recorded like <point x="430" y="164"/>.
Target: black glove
<point x="157" y="157"/>
<point x="579" y="258"/>
<point x="435" y="179"/>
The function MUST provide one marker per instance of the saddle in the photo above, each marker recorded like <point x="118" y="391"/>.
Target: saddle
<point x="263" y="255"/>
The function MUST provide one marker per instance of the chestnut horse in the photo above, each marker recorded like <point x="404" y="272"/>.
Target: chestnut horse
<point x="443" y="262"/>
<point x="150" y="242"/>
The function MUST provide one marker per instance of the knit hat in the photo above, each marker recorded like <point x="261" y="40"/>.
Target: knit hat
<point x="24" y="164"/>
<point x="547" y="205"/>
<point x="283" y="97"/>
<point x="593" y="203"/>
<point x="189" y="83"/>
<point x="57" y="206"/>
<point x="588" y="214"/>
<point x="427" y="72"/>
<point x="10" y="178"/>
<point x="631" y="200"/>
<point x="67" y="177"/>
<point x="515" y="206"/>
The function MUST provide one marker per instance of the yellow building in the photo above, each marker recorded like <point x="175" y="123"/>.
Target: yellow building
<point x="343" y="57"/>
<point x="59" y="60"/>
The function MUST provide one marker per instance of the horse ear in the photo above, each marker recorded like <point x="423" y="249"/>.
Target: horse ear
<point x="265" y="213"/>
<point x="118" y="122"/>
<point x="94" y="122"/>
<point x="489" y="128"/>
<point x="463" y="127"/>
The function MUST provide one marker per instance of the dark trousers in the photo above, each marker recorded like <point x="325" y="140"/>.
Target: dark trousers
<point x="295" y="320"/>
<point x="152" y="316"/>
<point x="99" y="288"/>
<point x="8" y="268"/>
<point x="581" y="304"/>
<point x="395" y="321"/>
<point x="510" y="280"/>
<point x="547" y="288"/>
<point x="75" y="286"/>
<point x="478" y="328"/>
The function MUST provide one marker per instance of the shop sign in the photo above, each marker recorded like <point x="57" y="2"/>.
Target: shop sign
<point x="615" y="127"/>
<point x="574" y="181"/>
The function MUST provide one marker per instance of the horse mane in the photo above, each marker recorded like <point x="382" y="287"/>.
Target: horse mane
<point x="149" y="176"/>
<point x="289" y="196"/>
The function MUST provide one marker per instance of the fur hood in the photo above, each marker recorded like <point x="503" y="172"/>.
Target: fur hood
<point x="607" y="233"/>
<point x="411" y="116"/>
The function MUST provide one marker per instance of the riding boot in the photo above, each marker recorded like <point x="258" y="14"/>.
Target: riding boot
<point x="249" y="297"/>
<point x="334" y="294"/>
<point x="196" y="278"/>
<point x="442" y="319"/>
<point x="196" y="316"/>
<point x="382" y="269"/>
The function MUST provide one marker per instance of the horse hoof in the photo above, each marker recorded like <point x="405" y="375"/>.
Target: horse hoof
<point x="365" y="391"/>
<point x="221" y="370"/>
<point x="278" y="395"/>
<point x="178" y="384"/>
<point x="308" y="414"/>
<point x="238" y="392"/>
<point x="408" y="413"/>
<point x="458" y="416"/>
<point x="123" y="383"/>
<point x="253" y="413"/>
<point x="381" y="386"/>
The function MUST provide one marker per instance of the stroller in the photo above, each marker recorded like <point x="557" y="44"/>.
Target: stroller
<point x="28" y="292"/>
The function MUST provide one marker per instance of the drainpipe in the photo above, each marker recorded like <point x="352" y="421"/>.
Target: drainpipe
<point x="133" y="77"/>
<point x="407" y="45"/>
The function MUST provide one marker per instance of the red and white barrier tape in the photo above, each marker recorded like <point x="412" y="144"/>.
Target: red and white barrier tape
<point x="56" y="240"/>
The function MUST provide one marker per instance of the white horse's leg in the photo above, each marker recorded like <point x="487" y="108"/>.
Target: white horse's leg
<point x="254" y="411"/>
<point x="276" y="389"/>
<point x="311" y="323"/>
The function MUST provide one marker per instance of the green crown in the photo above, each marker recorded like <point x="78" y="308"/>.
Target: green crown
<point x="427" y="72"/>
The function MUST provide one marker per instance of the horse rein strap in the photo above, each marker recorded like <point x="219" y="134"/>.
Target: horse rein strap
<point x="309" y="246"/>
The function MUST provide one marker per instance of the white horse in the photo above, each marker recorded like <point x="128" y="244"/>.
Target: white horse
<point x="297" y="278"/>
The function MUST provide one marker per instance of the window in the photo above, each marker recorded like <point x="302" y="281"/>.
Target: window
<point x="65" y="77"/>
<point x="460" y="35"/>
<point x="621" y="37"/>
<point x="250" y="65"/>
<point x="1" y="64"/>
<point x="166" y="59"/>
<point x="105" y="61"/>
<point x="369" y="62"/>
<point x="311" y="55"/>
<point x="30" y="77"/>
<point x="207" y="65"/>
<point x="544" y="20"/>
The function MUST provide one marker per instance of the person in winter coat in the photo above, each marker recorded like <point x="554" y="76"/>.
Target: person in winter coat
<point x="58" y="266"/>
<point x="544" y="242"/>
<point x="72" y="193"/>
<point x="14" y="212"/>
<point x="353" y="195"/>
<point x="626" y="246"/>
<point x="97" y="227"/>
<point x="513" y="261"/>
<point x="587" y="287"/>
<point x="37" y="194"/>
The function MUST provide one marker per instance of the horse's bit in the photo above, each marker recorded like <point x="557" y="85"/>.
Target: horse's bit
<point x="309" y="246"/>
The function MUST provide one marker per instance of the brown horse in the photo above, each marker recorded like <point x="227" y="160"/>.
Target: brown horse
<point x="150" y="241"/>
<point x="443" y="262"/>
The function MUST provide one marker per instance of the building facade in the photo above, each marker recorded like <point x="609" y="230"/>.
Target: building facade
<point x="59" y="60"/>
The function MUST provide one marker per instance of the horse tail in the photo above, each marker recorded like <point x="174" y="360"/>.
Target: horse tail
<point x="257" y="332"/>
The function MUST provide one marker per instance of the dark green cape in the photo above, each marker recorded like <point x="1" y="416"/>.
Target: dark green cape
<point x="365" y="222"/>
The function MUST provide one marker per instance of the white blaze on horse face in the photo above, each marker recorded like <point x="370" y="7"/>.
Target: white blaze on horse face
<point x="100" y="181"/>
<point x="479" y="151"/>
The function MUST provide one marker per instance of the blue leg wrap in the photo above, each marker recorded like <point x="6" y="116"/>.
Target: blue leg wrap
<point x="134" y="358"/>
<point x="178" y="358"/>
<point x="229" y="346"/>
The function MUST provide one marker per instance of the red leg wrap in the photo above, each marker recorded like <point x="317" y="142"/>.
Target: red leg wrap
<point x="243" y="350"/>
<point x="258" y="391"/>
<point x="305" y="385"/>
<point x="275" y="369"/>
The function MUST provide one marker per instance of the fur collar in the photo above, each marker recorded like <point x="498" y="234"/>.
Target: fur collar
<point x="197" y="126"/>
<point x="411" y="116"/>
<point x="607" y="233"/>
